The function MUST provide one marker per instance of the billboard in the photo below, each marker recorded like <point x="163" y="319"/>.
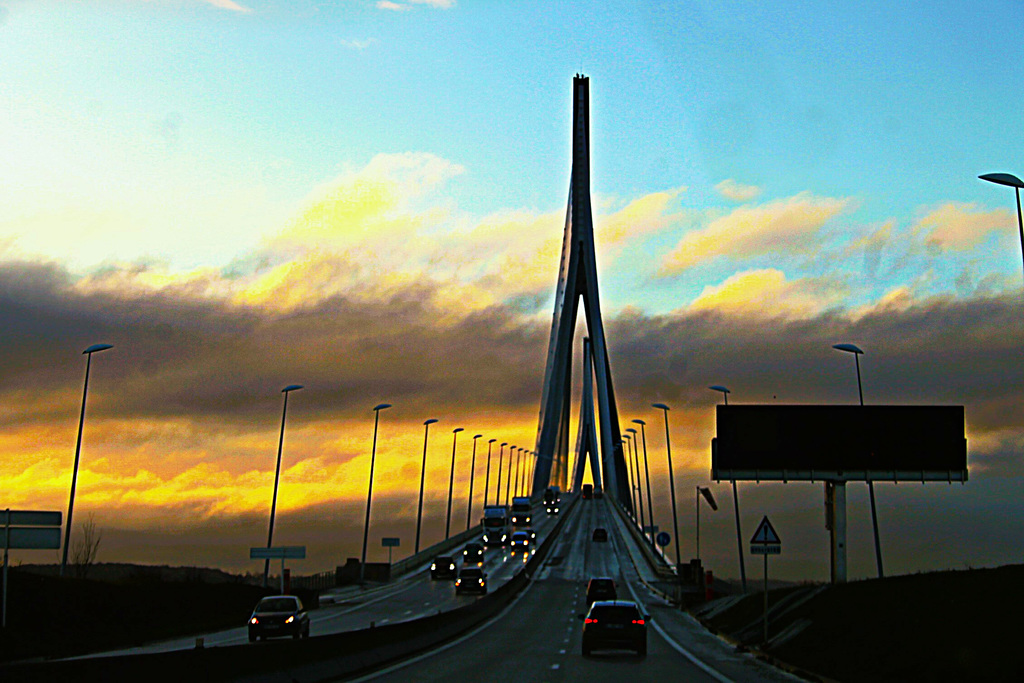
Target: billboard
<point x="839" y="442"/>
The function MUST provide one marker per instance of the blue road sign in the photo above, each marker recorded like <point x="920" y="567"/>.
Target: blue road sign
<point x="663" y="539"/>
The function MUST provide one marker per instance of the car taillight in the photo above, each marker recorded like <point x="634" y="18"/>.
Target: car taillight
<point x="638" y="621"/>
<point x="590" y="621"/>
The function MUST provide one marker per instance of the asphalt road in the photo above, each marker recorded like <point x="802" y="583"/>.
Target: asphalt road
<point x="412" y="597"/>
<point x="538" y="638"/>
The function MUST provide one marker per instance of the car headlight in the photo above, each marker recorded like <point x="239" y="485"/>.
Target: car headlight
<point x="504" y="537"/>
<point x="465" y="552"/>
<point x="526" y="542"/>
<point x="481" y="582"/>
<point x="290" y="619"/>
<point x="433" y="567"/>
<point x="254" y="620"/>
<point x="458" y="582"/>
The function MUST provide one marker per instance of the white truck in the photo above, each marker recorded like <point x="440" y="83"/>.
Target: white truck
<point x="521" y="512"/>
<point x="497" y="525"/>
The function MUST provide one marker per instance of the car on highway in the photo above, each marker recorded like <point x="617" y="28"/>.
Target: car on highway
<point x="278" y="615"/>
<point x="443" y="567"/>
<point x="521" y="540"/>
<point x="588" y="491"/>
<point x="614" y="624"/>
<point x="473" y="553"/>
<point x="471" y="580"/>
<point x="601" y="588"/>
<point x="600" y="535"/>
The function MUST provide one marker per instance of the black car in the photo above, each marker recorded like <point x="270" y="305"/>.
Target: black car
<point x="471" y="580"/>
<point x="601" y="588"/>
<point x="443" y="567"/>
<point x="614" y="624"/>
<point x="278" y="615"/>
<point x="473" y="553"/>
<point x="600" y="535"/>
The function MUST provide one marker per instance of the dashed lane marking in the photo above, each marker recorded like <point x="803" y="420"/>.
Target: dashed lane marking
<point x="554" y="666"/>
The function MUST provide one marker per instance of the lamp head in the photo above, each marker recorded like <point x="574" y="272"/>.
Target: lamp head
<point x="632" y="430"/>
<point x="639" y="421"/>
<point x="1003" y="179"/>
<point x="97" y="347"/>
<point x="291" y="387"/>
<point x="457" y="430"/>
<point x="719" y="387"/>
<point x="504" y="443"/>
<point x="477" y="436"/>
<point x="662" y="406"/>
<point x="849" y="348"/>
<point x="382" y="406"/>
<point x="430" y="421"/>
<point x="491" y="440"/>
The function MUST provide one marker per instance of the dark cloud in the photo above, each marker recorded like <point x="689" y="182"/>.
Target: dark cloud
<point x="180" y="354"/>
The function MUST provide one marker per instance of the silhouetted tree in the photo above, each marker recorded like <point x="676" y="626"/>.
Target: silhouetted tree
<point x="85" y="547"/>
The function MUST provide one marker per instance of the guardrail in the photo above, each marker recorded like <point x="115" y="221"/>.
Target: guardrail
<point x="324" y="658"/>
<point x="444" y="547"/>
<point x="656" y="560"/>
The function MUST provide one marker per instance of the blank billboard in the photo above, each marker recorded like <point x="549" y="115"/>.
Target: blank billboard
<point x="765" y="442"/>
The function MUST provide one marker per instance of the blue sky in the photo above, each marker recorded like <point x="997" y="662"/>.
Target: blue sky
<point x="183" y="168"/>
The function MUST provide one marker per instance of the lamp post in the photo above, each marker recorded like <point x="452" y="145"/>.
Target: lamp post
<point x="472" y="471"/>
<point x="451" y="483"/>
<point x="850" y="348"/>
<point x="487" y="479"/>
<point x="501" y="456"/>
<point x="1016" y="183"/>
<point x="95" y="348"/>
<point x="628" y="440"/>
<point x="369" y="493"/>
<point x="508" y="475"/>
<point x="671" y="482"/>
<point x="423" y="472"/>
<point x="277" y="478"/>
<point x="636" y="450"/>
<point x="647" y="476"/>
<point x="519" y="455"/>
<point x="735" y="502"/>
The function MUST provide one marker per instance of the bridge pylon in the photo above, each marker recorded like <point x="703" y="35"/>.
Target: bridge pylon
<point x="577" y="280"/>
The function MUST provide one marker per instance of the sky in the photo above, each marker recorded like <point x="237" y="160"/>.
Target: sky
<point x="367" y="198"/>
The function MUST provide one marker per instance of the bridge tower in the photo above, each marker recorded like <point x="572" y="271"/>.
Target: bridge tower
<point x="577" y="279"/>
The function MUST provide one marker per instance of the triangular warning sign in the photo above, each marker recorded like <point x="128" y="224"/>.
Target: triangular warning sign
<point x="765" y="533"/>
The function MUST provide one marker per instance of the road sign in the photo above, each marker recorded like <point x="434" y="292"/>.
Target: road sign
<point x="765" y="533"/>
<point x="31" y="518"/>
<point x="663" y="539"/>
<point x="34" y="538"/>
<point x="293" y="552"/>
<point x="765" y="549"/>
<point x="390" y="542"/>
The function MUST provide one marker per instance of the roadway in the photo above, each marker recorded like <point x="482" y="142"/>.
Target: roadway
<point x="537" y="638"/>
<point x="413" y="596"/>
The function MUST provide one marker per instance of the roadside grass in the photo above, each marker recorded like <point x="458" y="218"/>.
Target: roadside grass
<point x="939" y="626"/>
<point x="51" y="617"/>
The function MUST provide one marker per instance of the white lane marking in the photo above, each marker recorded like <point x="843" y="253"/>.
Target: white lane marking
<point x="679" y="648"/>
<point x="554" y="666"/>
<point x="408" y="611"/>
<point x="562" y="651"/>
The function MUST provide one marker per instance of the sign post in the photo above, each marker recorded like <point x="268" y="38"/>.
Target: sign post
<point x="765" y="542"/>
<point x="28" y="530"/>
<point x="390" y="542"/>
<point x="294" y="552"/>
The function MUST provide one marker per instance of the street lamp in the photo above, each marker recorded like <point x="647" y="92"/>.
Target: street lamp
<point x="472" y="471"/>
<point x="518" y="456"/>
<point x="501" y="456"/>
<point x="451" y="483"/>
<point x="647" y="476"/>
<point x="671" y="482"/>
<point x="735" y="502"/>
<point x="95" y="348"/>
<point x="850" y="348"/>
<point x="277" y="478"/>
<point x="508" y="475"/>
<point x="369" y="492"/>
<point x="1016" y="183"/>
<point x="487" y="480"/>
<point x="423" y="473"/>
<point x="639" y="479"/>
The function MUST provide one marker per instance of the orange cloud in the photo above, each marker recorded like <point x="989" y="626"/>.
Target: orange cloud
<point x="788" y="225"/>
<point x="962" y="227"/>
<point x="767" y="293"/>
